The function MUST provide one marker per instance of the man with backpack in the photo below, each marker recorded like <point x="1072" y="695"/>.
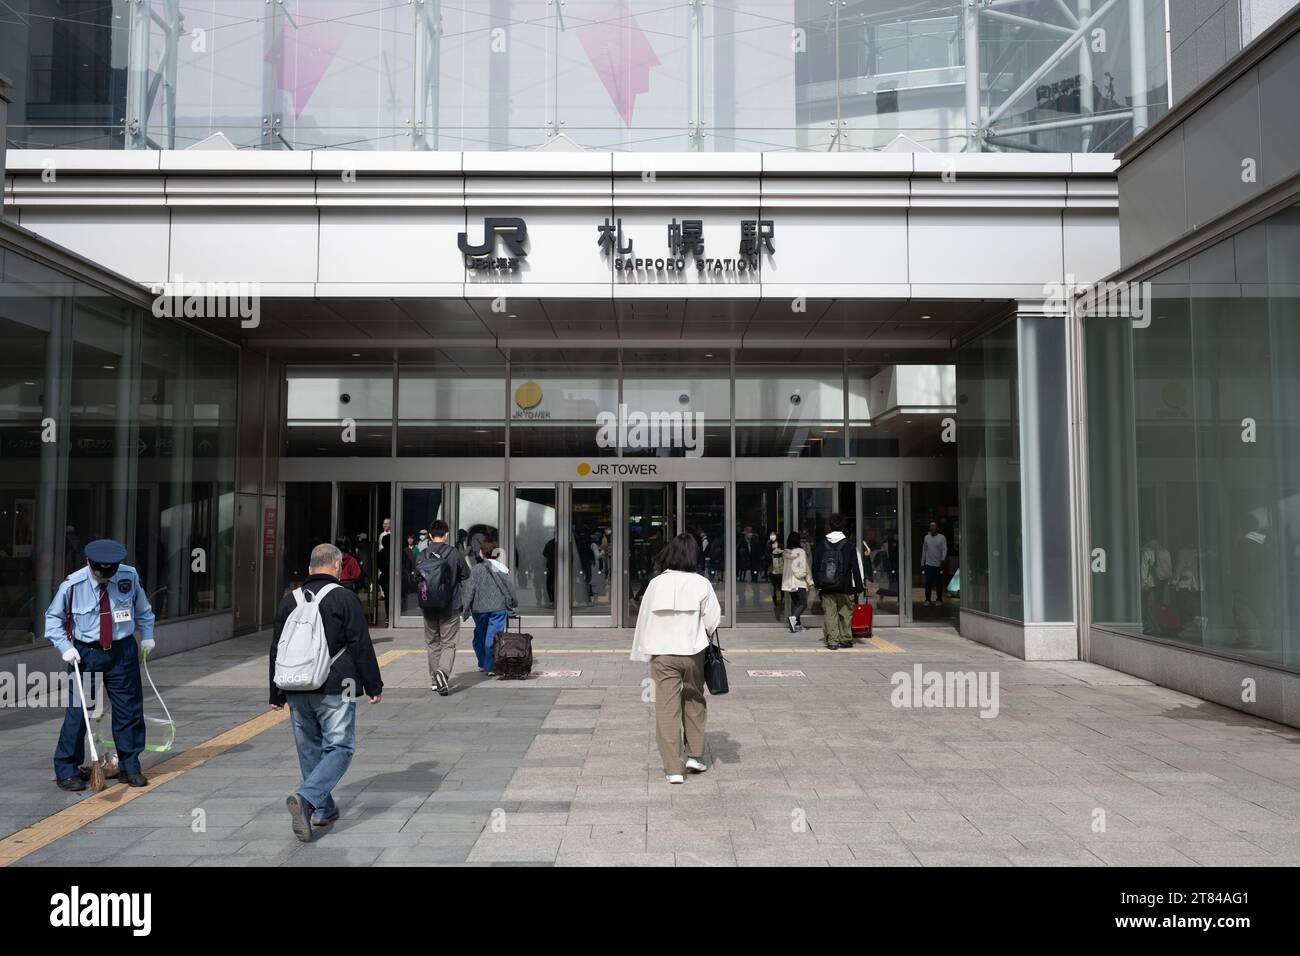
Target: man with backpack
<point x="838" y="577"/>
<point x="321" y="659"/>
<point x="438" y="577"/>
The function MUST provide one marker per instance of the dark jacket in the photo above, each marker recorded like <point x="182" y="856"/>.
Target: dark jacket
<point x="459" y="567"/>
<point x="850" y="579"/>
<point x="345" y="626"/>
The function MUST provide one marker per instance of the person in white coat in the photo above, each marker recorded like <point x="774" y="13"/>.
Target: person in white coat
<point x="796" y="580"/>
<point x="678" y="611"/>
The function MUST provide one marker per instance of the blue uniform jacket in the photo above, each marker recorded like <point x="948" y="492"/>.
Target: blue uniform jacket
<point x="126" y="598"/>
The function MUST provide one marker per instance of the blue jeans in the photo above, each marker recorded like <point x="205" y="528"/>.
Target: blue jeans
<point x="121" y="669"/>
<point x="486" y="627"/>
<point x="324" y="728"/>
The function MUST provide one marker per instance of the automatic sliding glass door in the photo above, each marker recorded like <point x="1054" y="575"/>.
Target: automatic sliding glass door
<point x="592" y="539"/>
<point x="535" y="556"/>
<point x="650" y="521"/>
<point x="704" y="515"/>
<point x="881" y="550"/>
<point x="763" y="511"/>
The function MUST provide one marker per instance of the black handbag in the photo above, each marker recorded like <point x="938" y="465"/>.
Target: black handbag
<point x="715" y="667"/>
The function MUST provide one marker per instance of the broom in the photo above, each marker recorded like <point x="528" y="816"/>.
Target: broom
<point x="97" y="779"/>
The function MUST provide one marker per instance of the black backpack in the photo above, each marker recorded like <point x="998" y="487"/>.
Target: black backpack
<point x="830" y="570"/>
<point x="435" y="580"/>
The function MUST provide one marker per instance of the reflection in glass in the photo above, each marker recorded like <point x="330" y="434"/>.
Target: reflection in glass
<point x="1194" y="452"/>
<point x="421" y="507"/>
<point x="478" y="516"/>
<point x="762" y="510"/>
<point x="591" y="541"/>
<point x="880" y="544"/>
<point x="705" y="516"/>
<point x="650" y="525"/>
<point x="535" y="556"/>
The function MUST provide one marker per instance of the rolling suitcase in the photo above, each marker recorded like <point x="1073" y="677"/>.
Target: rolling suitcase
<point x="860" y="622"/>
<point x="512" y="654"/>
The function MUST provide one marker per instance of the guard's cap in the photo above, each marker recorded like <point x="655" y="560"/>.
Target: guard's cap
<point x="105" y="555"/>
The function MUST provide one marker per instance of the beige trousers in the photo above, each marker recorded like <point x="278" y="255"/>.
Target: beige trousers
<point x="679" y="707"/>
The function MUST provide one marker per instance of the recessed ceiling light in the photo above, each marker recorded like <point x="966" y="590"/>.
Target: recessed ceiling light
<point x="925" y="316"/>
<point x="110" y="366"/>
<point x="356" y="355"/>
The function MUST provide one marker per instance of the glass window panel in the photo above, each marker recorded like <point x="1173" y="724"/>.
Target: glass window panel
<point x="788" y="395"/>
<point x="451" y="441"/>
<point x="988" y="463"/>
<point x="789" y="441"/>
<point x="762" y="509"/>
<point x="705" y="516"/>
<point x="591" y="539"/>
<point x="880" y="550"/>
<point x="534" y="558"/>
<point x="421" y="507"/>
<point x="550" y="441"/>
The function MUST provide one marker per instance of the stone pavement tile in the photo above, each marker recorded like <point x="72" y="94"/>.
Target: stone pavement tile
<point x="1147" y="854"/>
<point x="607" y="837"/>
<point x="586" y="812"/>
<point x="1052" y="856"/>
<point x="961" y="858"/>
<point x="889" y="798"/>
<point x="856" y="833"/>
<point x="520" y="851"/>
<point x="322" y="854"/>
<point x="882" y="854"/>
<point x="423" y="854"/>
<point x="612" y="858"/>
<point x="818" y="855"/>
<point x="700" y="857"/>
<point x="1227" y="853"/>
<point x="676" y="840"/>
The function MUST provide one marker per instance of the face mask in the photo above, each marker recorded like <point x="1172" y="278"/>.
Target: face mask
<point x="105" y="571"/>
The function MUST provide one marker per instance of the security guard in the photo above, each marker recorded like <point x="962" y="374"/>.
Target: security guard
<point x="109" y="611"/>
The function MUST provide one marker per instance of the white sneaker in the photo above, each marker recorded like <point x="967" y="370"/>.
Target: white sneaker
<point x="676" y="778"/>
<point x="695" y="766"/>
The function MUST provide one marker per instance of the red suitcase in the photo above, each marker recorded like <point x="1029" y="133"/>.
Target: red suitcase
<point x="860" y="622"/>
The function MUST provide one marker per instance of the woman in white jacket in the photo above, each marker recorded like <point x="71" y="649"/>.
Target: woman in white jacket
<point x="795" y="580"/>
<point x="678" y="610"/>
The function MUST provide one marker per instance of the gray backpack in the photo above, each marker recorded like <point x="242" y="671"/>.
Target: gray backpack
<point x="302" y="657"/>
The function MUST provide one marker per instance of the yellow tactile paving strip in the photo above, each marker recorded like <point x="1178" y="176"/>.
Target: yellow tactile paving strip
<point x="41" y="834"/>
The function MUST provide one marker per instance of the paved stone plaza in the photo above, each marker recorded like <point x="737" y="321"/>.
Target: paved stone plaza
<point x="1081" y="766"/>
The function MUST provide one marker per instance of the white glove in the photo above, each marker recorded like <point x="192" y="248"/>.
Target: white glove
<point x="147" y="646"/>
<point x="71" y="655"/>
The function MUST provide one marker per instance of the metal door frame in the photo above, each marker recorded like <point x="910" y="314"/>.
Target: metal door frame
<point x="886" y="620"/>
<point x="399" y="516"/>
<point x="725" y="487"/>
<point x="905" y="554"/>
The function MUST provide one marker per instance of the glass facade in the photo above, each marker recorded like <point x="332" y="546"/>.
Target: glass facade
<point x="114" y="424"/>
<point x="674" y="403"/>
<point x="726" y="76"/>
<point x="1194" y="452"/>
<point x="988" y="464"/>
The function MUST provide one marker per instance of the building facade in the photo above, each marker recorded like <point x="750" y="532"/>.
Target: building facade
<point x="587" y="278"/>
